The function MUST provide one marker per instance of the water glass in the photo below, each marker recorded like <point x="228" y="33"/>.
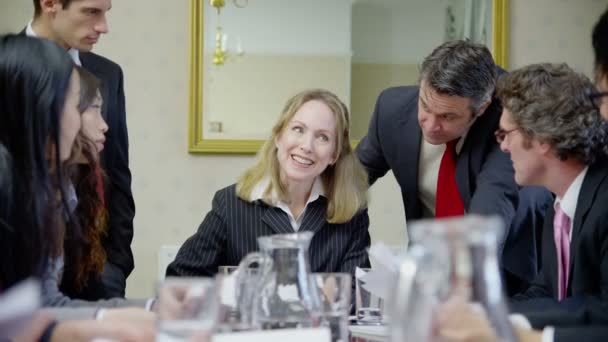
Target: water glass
<point x="369" y="306"/>
<point x="335" y="291"/>
<point x="188" y="309"/>
<point x="236" y="295"/>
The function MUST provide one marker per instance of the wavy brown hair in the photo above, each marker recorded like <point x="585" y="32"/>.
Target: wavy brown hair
<point x="550" y="102"/>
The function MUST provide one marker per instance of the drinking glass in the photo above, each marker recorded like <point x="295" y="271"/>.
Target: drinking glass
<point x="335" y="291"/>
<point x="369" y="306"/>
<point x="188" y="309"/>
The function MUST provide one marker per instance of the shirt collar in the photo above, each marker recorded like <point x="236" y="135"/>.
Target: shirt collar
<point x="258" y="192"/>
<point x="29" y="31"/>
<point x="568" y="202"/>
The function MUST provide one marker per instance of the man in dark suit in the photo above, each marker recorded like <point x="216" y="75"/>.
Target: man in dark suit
<point x="557" y="139"/>
<point x="438" y="140"/>
<point x="77" y="25"/>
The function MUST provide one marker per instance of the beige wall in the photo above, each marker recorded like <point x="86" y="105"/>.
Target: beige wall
<point x="368" y="80"/>
<point x="553" y="31"/>
<point x="173" y="189"/>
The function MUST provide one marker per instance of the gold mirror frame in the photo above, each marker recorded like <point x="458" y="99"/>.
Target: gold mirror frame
<point x="196" y="140"/>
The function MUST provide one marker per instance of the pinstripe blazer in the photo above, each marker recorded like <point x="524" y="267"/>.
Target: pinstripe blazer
<point x="230" y="229"/>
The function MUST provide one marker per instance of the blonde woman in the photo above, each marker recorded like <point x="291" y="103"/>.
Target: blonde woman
<point x="306" y="179"/>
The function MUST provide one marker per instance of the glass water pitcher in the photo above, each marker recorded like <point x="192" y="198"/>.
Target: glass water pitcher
<point x="456" y="256"/>
<point x="285" y="294"/>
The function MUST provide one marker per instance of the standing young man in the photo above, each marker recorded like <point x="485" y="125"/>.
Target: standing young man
<point x="77" y="25"/>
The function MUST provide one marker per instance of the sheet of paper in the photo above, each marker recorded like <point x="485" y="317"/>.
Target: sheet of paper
<point x="380" y="280"/>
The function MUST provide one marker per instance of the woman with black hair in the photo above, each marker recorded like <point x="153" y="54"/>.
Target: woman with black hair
<point x="39" y="121"/>
<point x="82" y="276"/>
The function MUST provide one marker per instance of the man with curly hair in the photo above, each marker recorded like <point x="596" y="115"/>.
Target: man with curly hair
<point x="557" y="138"/>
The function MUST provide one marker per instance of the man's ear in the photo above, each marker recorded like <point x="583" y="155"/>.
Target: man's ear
<point x="50" y="6"/>
<point x="545" y="148"/>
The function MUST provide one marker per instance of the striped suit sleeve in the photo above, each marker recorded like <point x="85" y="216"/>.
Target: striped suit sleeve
<point x="203" y="252"/>
<point x="356" y="254"/>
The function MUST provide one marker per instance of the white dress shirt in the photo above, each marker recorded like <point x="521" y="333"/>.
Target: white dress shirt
<point x="570" y="199"/>
<point x="259" y="193"/>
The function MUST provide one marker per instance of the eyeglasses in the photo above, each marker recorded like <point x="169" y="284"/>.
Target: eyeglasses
<point x="596" y="97"/>
<point x="501" y="134"/>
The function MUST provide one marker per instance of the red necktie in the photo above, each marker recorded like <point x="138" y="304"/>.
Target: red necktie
<point x="448" y="201"/>
<point x="561" y="236"/>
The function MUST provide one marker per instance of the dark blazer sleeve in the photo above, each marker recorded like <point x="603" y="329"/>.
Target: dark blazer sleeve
<point x="121" y="207"/>
<point x="495" y="189"/>
<point x="356" y="254"/>
<point x="572" y="312"/>
<point x="369" y="150"/>
<point x="539" y="295"/>
<point x="538" y="289"/>
<point x="582" y="333"/>
<point x="587" y="323"/>
<point x="202" y="253"/>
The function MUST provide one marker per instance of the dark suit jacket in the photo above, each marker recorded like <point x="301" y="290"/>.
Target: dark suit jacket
<point x="588" y="249"/>
<point x="484" y="174"/>
<point x="230" y="229"/>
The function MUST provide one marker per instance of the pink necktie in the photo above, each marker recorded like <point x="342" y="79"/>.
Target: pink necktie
<point x="561" y="235"/>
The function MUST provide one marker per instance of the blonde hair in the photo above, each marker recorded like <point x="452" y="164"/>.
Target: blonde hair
<point x="345" y="182"/>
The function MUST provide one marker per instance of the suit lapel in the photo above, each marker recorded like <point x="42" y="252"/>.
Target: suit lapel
<point x="277" y="220"/>
<point x="408" y="153"/>
<point x="595" y="175"/>
<point x="462" y="172"/>
<point x="549" y="261"/>
<point x="315" y="216"/>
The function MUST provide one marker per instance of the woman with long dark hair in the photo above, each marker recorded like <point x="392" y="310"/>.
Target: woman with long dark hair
<point x="82" y="276"/>
<point x="39" y="121"/>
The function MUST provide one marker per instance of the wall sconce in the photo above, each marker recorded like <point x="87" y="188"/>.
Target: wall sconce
<point x="220" y="55"/>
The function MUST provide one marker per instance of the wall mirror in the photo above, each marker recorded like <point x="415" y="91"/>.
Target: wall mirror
<point x="272" y="49"/>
